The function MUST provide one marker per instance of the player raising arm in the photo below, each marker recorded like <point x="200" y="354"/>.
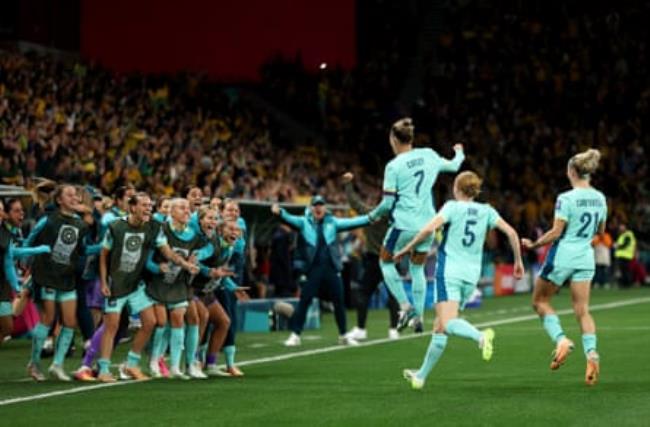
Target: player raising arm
<point x="408" y="198"/>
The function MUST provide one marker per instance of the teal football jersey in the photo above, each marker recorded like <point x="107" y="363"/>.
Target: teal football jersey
<point x="583" y="209"/>
<point x="460" y="255"/>
<point x="410" y="176"/>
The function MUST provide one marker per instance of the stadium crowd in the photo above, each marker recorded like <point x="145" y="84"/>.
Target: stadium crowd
<point x="518" y="111"/>
<point x="77" y="122"/>
<point x="521" y="86"/>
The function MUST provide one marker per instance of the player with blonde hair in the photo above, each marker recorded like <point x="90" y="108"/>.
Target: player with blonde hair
<point x="580" y="214"/>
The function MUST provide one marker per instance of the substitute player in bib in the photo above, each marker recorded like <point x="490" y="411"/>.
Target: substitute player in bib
<point x="95" y="298"/>
<point x="170" y="288"/>
<point x="124" y="254"/>
<point x="231" y="212"/>
<point x="580" y="214"/>
<point x="66" y="234"/>
<point x="205" y="285"/>
<point x="408" y="198"/>
<point x="458" y="269"/>
<point x="226" y="293"/>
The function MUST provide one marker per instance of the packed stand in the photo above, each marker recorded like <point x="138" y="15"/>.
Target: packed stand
<point x="76" y="122"/>
<point x="524" y="87"/>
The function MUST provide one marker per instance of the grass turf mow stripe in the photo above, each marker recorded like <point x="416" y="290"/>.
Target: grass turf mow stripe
<point x="272" y="359"/>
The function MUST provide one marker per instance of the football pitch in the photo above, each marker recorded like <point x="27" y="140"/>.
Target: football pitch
<point x="321" y="383"/>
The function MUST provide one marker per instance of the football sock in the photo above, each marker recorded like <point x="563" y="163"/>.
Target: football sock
<point x="553" y="328"/>
<point x="158" y="342"/>
<point x="62" y="345"/>
<point x="94" y="347"/>
<point x="419" y="287"/>
<point x="211" y="359"/>
<point x="435" y="350"/>
<point x="39" y="335"/>
<point x="104" y="366"/>
<point x="191" y="343"/>
<point x="588" y="343"/>
<point x="462" y="328"/>
<point x="394" y="282"/>
<point x="132" y="360"/>
<point x="229" y="351"/>
<point x="176" y="342"/>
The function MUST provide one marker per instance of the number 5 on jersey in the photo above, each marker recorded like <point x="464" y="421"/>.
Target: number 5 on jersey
<point x="470" y="236"/>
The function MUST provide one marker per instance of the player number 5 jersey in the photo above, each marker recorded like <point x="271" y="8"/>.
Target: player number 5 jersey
<point x="460" y="255"/>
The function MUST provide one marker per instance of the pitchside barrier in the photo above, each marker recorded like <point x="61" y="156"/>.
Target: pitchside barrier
<point x="264" y="315"/>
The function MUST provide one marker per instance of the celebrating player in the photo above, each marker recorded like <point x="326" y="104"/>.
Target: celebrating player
<point x="170" y="285"/>
<point x="371" y="277"/>
<point x="122" y="261"/>
<point x="207" y="282"/>
<point x="227" y="291"/>
<point x="460" y="258"/>
<point x="234" y="238"/>
<point x="319" y="249"/>
<point x="408" y="183"/>
<point x="580" y="214"/>
<point x="10" y="250"/>
<point x="66" y="235"/>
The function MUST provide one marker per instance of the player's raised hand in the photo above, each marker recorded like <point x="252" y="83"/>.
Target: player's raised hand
<point x="275" y="209"/>
<point x="347" y="177"/>
<point x="458" y="147"/>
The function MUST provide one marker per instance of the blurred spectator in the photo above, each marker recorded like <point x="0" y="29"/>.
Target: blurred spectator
<point x="520" y="84"/>
<point x="625" y="250"/>
<point x="161" y="134"/>
<point x="523" y="85"/>
<point x="603" y="255"/>
<point x="281" y="274"/>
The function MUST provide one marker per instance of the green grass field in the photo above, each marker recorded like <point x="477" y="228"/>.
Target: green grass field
<point x="363" y="386"/>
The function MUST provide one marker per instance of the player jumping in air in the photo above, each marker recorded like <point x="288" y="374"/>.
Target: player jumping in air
<point x="408" y="198"/>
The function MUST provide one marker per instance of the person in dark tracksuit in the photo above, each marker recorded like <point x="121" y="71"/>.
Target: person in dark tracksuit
<point x="281" y="275"/>
<point x="372" y="275"/>
<point x="318" y="247"/>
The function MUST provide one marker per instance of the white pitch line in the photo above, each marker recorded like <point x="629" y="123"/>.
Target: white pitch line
<point x="323" y="350"/>
<point x="517" y="319"/>
<point x="258" y="345"/>
<point x="599" y="329"/>
<point x="63" y="392"/>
